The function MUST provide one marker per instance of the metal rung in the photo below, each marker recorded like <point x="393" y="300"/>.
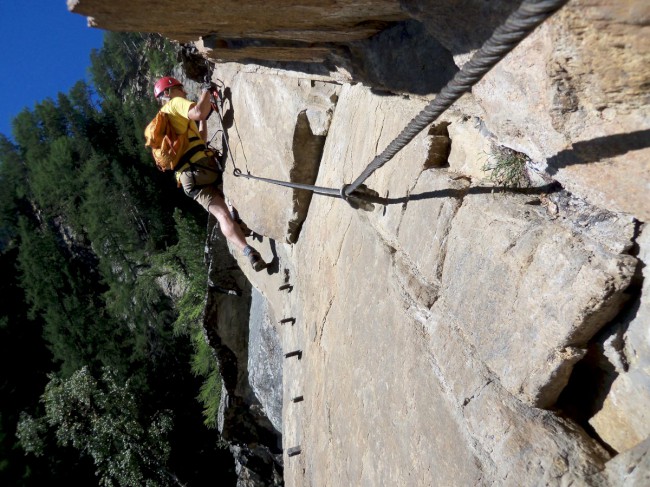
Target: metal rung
<point x="295" y="353"/>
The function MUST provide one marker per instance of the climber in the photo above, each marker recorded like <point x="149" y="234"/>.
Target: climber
<point x="197" y="172"/>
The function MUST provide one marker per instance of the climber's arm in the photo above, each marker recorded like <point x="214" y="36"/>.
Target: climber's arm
<point x="200" y="110"/>
<point x="203" y="129"/>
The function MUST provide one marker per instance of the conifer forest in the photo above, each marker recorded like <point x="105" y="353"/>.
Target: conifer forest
<point x="105" y="379"/>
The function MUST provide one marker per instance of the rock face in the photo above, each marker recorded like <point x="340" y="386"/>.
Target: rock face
<point x="574" y="97"/>
<point x="249" y="26"/>
<point x="289" y="120"/>
<point x="455" y="333"/>
<point x="452" y="310"/>
<point x="265" y="359"/>
<point x="623" y="421"/>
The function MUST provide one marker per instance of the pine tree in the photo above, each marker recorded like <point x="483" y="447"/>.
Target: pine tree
<point x="87" y="216"/>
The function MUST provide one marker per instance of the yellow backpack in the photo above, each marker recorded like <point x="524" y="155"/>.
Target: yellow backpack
<point x="167" y="146"/>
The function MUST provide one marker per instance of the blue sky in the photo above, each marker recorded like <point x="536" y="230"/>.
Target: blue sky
<point x="46" y="50"/>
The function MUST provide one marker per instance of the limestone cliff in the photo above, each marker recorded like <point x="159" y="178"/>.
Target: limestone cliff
<point x="456" y="333"/>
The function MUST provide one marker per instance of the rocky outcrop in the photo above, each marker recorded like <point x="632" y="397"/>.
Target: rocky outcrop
<point x="285" y="31"/>
<point x="456" y="333"/>
<point x="573" y="96"/>
<point x="452" y="310"/>
<point x="623" y="420"/>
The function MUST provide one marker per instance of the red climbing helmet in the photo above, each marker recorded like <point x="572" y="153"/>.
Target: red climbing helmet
<point x="163" y="83"/>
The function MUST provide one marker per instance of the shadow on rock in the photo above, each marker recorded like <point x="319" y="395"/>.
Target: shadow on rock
<point x="461" y="193"/>
<point x="598" y="149"/>
<point x="403" y="58"/>
<point x="462" y="26"/>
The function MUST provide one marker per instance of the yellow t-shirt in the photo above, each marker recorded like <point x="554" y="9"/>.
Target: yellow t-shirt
<point x="177" y="109"/>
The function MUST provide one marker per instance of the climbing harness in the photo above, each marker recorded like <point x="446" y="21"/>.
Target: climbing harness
<point x="516" y="28"/>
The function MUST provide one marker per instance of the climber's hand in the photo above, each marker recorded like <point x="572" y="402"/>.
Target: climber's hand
<point x="208" y="86"/>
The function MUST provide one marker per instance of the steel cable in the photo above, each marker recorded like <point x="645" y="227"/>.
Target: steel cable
<point x="523" y="21"/>
<point x="308" y="187"/>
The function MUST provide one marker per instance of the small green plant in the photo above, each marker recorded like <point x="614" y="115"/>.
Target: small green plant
<point x="507" y="167"/>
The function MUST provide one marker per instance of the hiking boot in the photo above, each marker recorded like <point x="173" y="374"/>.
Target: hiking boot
<point x="255" y="258"/>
